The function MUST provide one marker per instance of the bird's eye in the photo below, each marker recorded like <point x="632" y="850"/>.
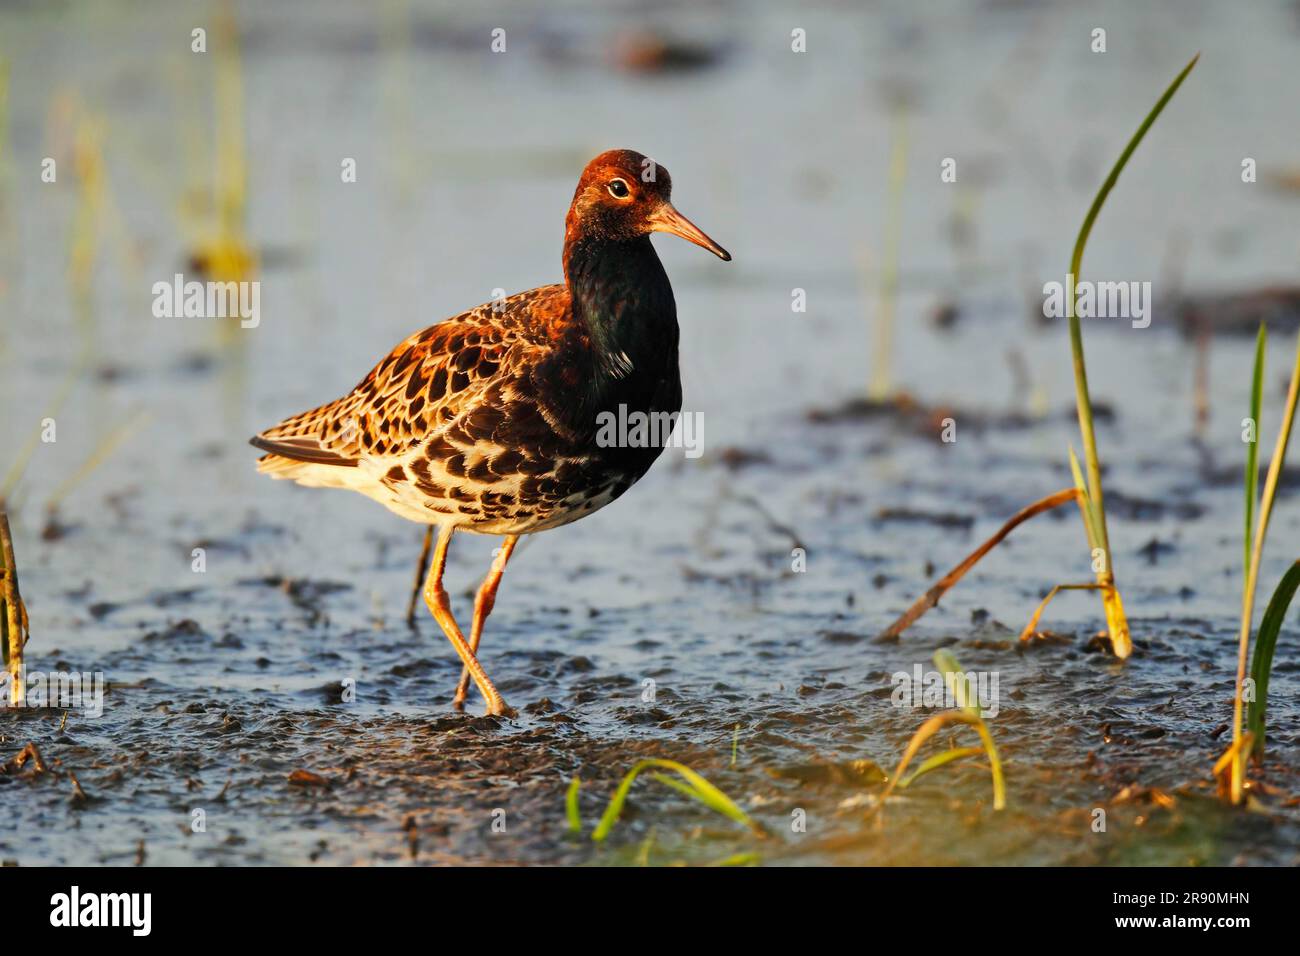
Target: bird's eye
<point x="618" y="188"/>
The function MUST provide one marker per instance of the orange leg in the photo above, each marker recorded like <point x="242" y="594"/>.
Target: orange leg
<point x="435" y="595"/>
<point x="483" y="603"/>
<point x="421" y="567"/>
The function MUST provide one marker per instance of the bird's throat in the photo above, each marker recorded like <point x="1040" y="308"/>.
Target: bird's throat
<point x="620" y="291"/>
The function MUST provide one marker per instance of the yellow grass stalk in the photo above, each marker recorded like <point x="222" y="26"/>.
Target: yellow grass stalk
<point x="13" y="614"/>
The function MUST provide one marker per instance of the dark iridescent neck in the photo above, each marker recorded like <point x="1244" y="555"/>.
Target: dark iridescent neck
<point x="620" y="290"/>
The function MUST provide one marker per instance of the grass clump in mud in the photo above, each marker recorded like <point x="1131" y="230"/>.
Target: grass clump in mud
<point x="1248" y="734"/>
<point x="967" y="712"/>
<point x="693" y="785"/>
<point x="1091" y="500"/>
<point x="1087" y="491"/>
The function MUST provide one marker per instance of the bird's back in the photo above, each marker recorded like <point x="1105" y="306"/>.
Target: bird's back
<point x="485" y="420"/>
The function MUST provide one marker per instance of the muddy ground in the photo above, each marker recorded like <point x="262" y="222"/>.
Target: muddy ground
<point x="672" y="624"/>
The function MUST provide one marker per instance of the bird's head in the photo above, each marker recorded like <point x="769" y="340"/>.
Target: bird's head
<point x="623" y="195"/>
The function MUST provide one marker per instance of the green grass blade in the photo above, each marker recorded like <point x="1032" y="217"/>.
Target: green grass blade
<point x="950" y="669"/>
<point x="723" y="806"/>
<point x="1096" y="509"/>
<point x="1085" y="503"/>
<point x="1076" y="263"/>
<point x="937" y="761"/>
<point x="1118" y="168"/>
<point x="696" y="787"/>
<point x="571" y="806"/>
<point x="948" y="665"/>
<point x="615" y="808"/>
<point x="1252" y="449"/>
<point x="677" y="785"/>
<point x="1082" y="398"/>
<point x="1077" y="473"/>
<point x="712" y="797"/>
<point x="995" y="767"/>
<point x="1238" y="779"/>
<point x="1261" y="663"/>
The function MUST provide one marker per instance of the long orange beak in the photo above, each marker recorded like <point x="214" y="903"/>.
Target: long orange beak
<point x="667" y="219"/>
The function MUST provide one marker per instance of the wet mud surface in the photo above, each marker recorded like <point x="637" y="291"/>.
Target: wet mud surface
<point x="672" y="624"/>
<point x="228" y="698"/>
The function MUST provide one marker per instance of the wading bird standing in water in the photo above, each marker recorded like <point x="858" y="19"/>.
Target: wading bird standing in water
<point x="488" y="421"/>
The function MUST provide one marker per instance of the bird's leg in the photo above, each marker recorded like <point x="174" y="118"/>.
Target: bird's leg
<point x="420" y="569"/>
<point x="435" y="595"/>
<point x="483" y="602"/>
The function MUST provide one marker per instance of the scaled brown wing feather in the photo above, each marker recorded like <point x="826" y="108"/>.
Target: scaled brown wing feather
<point x="421" y="386"/>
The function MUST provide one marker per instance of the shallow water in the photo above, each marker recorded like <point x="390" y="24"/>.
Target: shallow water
<point x="224" y="683"/>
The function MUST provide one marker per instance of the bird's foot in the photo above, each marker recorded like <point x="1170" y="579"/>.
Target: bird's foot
<point x="499" y="708"/>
